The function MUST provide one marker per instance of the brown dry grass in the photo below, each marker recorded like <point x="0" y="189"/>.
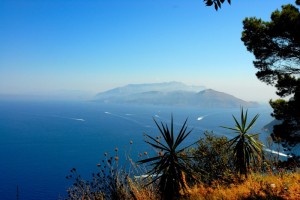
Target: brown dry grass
<point x="256" y="186"/>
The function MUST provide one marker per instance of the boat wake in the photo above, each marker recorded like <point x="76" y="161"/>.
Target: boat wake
<point x="277" y="153"/>
<point x="78" y="119"/>
<point x="70" y="118"/>
<point x="126" y="117"/>
<point x="200" y="118"/>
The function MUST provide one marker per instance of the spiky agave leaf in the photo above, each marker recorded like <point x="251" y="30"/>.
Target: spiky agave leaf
<point x="245" y="147"/>
<point x="169" y="167"/>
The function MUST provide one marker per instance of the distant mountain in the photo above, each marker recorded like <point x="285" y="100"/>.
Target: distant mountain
<point x="148" y="87"/>
<point x="171" y="93"/>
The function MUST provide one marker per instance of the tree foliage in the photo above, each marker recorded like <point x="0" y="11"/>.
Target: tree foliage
<point x="276" y="47"/>
<point x="217" y="3"/>
<point x="275" y="44"/>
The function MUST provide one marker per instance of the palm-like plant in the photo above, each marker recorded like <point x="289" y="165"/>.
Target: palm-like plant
<point x="245" y="146"/>
<point x="169" y="166"/>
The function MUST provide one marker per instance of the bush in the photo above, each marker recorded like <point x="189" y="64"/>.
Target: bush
<point x="211" y="159"/>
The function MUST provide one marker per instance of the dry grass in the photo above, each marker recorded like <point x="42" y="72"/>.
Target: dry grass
<point x="139" y="192"/>
<point x="256" y="186"/>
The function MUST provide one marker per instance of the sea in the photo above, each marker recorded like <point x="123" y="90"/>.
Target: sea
<point x="41" y="141"/>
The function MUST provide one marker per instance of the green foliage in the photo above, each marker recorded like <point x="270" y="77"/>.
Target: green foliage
<point x="275" y="44"/>
<point x="211" y="159"/>
<point x="287" y="85"/>
<point x="217" y="3"/>
<point x="245" y="146"/>
<point x="212" y="162"/>
<point x="276" y="47"/>
<point x="169" y="166"/>
<point x="288" y="132"/>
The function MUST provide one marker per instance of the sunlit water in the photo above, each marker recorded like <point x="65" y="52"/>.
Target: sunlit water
<point x="41" y="141"/>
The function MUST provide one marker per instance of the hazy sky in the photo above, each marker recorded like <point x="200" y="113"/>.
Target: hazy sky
<point x="94" y="45"/>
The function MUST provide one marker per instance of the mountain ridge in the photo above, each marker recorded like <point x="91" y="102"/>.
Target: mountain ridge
<point x="171" y="93"/>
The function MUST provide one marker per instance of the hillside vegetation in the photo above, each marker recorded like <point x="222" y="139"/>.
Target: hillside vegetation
<point x="211" y="168"/>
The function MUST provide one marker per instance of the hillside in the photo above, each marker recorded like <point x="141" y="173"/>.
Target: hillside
<point x="171" y="93"/>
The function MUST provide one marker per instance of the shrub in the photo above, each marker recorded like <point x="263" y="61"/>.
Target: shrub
<point x="112" y="181"/>
<point x="211" y="159"/>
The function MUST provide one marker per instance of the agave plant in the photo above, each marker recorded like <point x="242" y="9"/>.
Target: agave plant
<point x="245" y="146"/>
<point x="171" y="163"/>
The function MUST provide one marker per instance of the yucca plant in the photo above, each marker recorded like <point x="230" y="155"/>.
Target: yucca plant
<point x="171" y="163"/>
<point x="246" y="147"/>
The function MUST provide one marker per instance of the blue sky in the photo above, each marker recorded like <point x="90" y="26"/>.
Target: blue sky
<point x="58" y="45"/>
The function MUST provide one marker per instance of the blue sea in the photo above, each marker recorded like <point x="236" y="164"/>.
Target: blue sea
<point x="41" y="141"/>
